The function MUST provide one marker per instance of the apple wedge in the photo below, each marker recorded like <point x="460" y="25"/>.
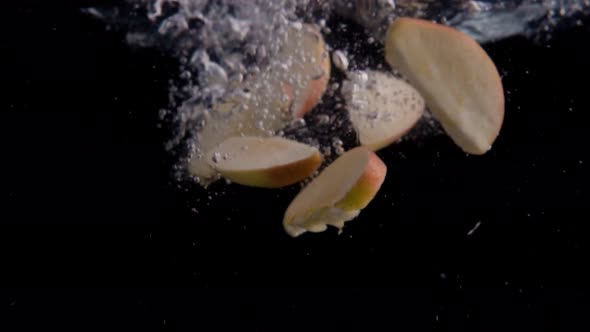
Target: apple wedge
<point x="456" y="77"/>
<point x="338" y="194"/>
<point x="306" y="65"/>
<point x="382" y="107"/>
<point x="270" y="162"/>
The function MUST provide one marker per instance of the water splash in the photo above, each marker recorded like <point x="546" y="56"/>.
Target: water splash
<point x="220" y="42"/>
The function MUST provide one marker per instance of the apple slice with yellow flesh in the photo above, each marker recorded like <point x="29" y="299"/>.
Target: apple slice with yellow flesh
<point x="218" y="128"/>
<point x="338" y="194"/>
<point x="382" y="107"/>
<point x="456" y="77"/>
<point x="287" y="89"/>
<point x="267" y="162"/>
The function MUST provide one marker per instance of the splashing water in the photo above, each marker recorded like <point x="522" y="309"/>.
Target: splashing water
<point x="221" y="42"/>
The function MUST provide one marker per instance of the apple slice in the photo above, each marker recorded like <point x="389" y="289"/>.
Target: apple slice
<point x="456" y="77"/>
<point x="382" y="107"/>
<point x="338" y="194"/>
<point x="305" y="62"/>
<point x="271" y="162"/>
<point x="218" y="127"/>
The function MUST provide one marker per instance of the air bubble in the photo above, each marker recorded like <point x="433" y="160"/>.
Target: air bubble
<point x="323" y="119"/>
<point x="186" y="75"/>
<point x="300" y="122"/>
<point x="250" y="49"/>
<point x="216" y="157"/>
<point x="340" y="61"/>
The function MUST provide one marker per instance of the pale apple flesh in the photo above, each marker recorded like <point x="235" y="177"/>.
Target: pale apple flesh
<point x="270" y="162"/>
<point x="336" y="195"/>
<point x="458" y="80"/>
<point x="382" y="107"/>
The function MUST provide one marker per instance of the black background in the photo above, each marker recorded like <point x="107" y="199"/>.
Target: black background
<point x="95" y="234"/>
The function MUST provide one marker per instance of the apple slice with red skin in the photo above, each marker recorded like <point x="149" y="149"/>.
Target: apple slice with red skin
<point x="337" y="194"/>
<point x="309" y="67"/>
<point x="267" y="162"/>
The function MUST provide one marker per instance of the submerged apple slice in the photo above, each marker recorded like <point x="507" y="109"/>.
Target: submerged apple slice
<point x="218" y="127"/>
<point x="382" y="107"/>
<point x="338" y="194"/>
<point x="305" y="63"/>
<point x="271" y="162"/>
<point x="456" y="77"/>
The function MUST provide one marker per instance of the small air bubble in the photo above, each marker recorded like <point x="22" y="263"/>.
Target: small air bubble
<point x="250" y="49"/>
<point x="216" y="157"/>
<point x="186" y="75"/>
<point x="340" y="60"/>
<point x="261" y="52"/>
<point x="323" y="119"/>
<point x="300" y="122"/>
